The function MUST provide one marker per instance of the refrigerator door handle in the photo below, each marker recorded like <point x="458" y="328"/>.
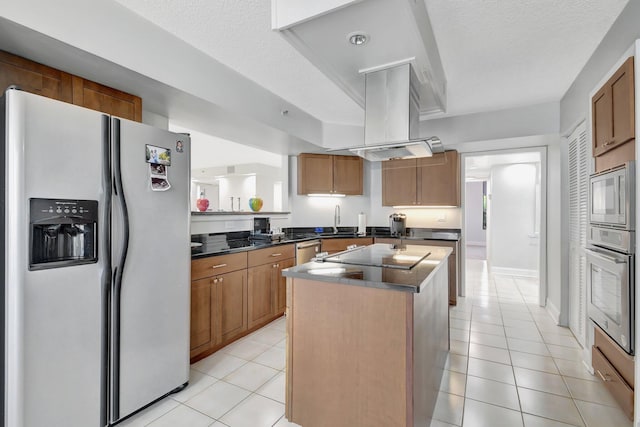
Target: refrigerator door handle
<point x="119" y="269"/>
<point x="104" y="251"/>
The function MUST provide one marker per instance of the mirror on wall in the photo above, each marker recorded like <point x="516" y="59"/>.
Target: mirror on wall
<point x="229" y="175"/>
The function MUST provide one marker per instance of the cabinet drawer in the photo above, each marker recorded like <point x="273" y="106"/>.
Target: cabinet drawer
<point x="617" y="386"/>
<point x="445" y="243"/>
<point x="219" y="264"/>
<point x="274" y="254"/>
<point x="339" y="245"/>
<point x="388" y="240"/>
<point x="622" y="362"/>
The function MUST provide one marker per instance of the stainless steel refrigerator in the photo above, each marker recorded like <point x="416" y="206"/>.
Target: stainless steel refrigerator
<point x="95" y="263"/>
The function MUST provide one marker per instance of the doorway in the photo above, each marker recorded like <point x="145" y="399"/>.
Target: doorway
<point x="504" y="219"/>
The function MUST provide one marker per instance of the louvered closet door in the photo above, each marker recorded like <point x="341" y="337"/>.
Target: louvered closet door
<point x="578" y="199"/>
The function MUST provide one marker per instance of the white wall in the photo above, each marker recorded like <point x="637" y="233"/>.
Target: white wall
<point x="475" y="234"/>
<point x="202" y="224"/>
<point x="512" y="217"/>
<point x="541" y="119"/>
<point x="240" y="188"/>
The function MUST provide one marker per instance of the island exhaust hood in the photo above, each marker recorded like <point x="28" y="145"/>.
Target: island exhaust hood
<point x="392" y="119"/>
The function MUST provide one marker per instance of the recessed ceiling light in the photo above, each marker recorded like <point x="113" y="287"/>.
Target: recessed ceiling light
<point x="358" y="38"/>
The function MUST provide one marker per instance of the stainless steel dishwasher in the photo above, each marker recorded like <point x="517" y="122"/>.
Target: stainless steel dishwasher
<point x="307" y="250"/>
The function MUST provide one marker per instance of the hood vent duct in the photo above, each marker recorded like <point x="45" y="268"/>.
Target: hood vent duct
<point x="392" y="122"/>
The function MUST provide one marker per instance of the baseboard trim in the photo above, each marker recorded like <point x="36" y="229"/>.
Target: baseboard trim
<point x="514" y="271"/>
<point x="553" y="311"/>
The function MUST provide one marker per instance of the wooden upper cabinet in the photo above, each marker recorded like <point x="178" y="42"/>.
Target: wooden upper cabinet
<point x="613" y="118"/>
<point x="315" y="173"/>
<point x="439" y="179"/>
<point x="97" y="97"/>
<point x="46" y="81"/>
<point x="602" y="120"/>
<point x="399" y="182"/>
<point x="426" y="181"/>
<point x="34" y="78"/>
<point x="327" y="174"/>
<point x="347" y="175"/>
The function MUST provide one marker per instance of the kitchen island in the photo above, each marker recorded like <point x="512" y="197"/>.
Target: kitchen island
<point x="367" y="337"/>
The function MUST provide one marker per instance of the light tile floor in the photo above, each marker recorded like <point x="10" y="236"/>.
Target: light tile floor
<point x="509" y="365"/>
<point x="241" y="385"/>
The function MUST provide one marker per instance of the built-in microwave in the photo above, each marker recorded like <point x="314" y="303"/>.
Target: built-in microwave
<point x="612" y="197"/>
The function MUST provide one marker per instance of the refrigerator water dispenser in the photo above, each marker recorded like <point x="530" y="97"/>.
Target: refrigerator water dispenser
<point x="62" y="233"/>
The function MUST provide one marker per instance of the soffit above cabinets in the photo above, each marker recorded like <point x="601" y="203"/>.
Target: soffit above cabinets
<point x="398" y="32"/>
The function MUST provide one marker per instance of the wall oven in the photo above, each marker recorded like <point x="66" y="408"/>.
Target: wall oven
<point x="610" y="253"/>
<point x="611" y="197"/>
<point x="610" y="283"/>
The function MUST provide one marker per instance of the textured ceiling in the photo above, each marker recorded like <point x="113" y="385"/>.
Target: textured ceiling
<point x="496" y="54"/>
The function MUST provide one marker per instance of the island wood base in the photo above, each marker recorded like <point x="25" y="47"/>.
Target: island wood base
<point x="361" y="356"/>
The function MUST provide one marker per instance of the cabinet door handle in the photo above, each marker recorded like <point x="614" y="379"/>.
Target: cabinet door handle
<point x="219" y="266"/>
<point x="221" y="279"/>
<point x="276" y="254"/>
<point x="604" y="377"/>
<point x="606" y="144"/>
<point x="215" y="280"/>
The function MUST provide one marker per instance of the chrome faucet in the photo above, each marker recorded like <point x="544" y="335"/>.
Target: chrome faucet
<point x="336" y="219"/>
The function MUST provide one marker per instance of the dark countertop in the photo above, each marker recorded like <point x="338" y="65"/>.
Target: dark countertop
<point x="234" y="242"/>
<point x="405" y="280"/>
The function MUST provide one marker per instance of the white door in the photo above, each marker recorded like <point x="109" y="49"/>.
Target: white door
<point x="578" y="209"/>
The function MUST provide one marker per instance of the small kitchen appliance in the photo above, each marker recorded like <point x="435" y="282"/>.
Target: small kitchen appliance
<point x="261" y="225"/>
<point x="397" y="224"/>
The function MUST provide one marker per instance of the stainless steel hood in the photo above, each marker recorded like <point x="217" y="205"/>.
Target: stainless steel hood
<point x="392" y="119"/>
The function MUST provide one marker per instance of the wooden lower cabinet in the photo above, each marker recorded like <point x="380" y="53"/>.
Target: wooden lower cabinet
<point x="615" y="368"/>
<point x="453" y="259"/>
<point x="218" y="310"/>
<point x="203" y="306"/>
<point x="268" y="291"/>
<point x="232" y="292"/>
<point x="281" y="298"/>
<point x="261" y="291"/>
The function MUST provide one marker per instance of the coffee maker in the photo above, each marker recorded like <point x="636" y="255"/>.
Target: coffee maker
<point x="397" y="224"/>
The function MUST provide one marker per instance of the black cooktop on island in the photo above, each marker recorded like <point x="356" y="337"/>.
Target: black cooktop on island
<point x="381" y="255"/>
